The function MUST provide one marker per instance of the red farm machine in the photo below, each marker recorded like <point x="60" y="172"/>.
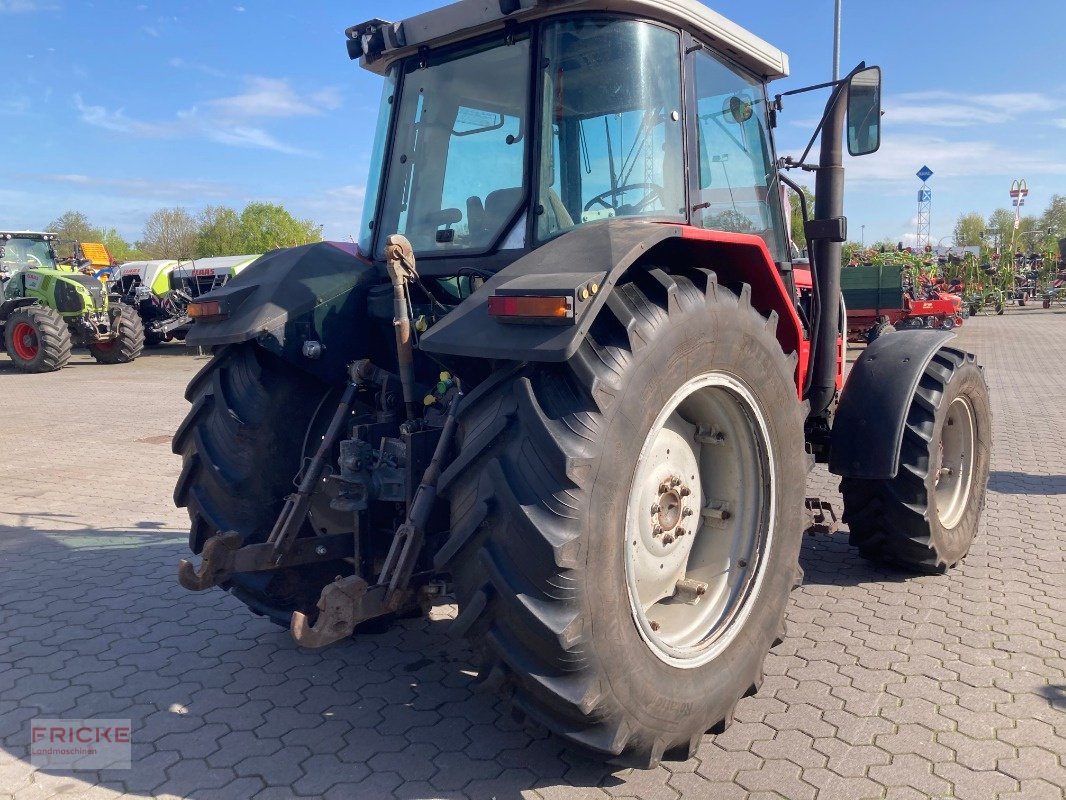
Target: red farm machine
<point x="885" y="297"/>
<point x="564" y="374"/>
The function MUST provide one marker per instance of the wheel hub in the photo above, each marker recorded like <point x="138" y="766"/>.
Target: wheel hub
<point x="698" y="514"/>
<point x="24" y="339"/>
<point x="670" y="510"/>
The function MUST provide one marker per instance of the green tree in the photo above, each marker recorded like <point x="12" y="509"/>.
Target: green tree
<point x="169" y="233"/>
<point x="1054" y="218"/>
<point x="74" y="225"/>
<point x="1001" y="228"/>
<point x="266" y="226"/>
<point x="220" y="233"/>
<point x="117" y="246"/>
<point x="969" y="230"/>
<point x="799" y="236"/>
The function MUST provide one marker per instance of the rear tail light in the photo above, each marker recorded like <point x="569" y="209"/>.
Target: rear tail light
<point x="531" y="307"/>
<point x="206" y="310"/>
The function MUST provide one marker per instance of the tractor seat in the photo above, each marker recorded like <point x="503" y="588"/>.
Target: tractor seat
<point x="488" y="219"/>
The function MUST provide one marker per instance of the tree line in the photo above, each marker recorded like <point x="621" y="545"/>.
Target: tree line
<point x="175" y="233"/>
<point x="1034" y="233"/>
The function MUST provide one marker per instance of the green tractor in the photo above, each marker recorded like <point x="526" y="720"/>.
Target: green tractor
<point x="47" y="309"/>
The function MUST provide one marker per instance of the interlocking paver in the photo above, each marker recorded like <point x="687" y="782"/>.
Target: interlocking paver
<point x="887" y="686"/>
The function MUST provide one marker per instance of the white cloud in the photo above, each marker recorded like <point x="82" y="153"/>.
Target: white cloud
<point x="189" y="190"/>
<point x="226" y="120"/>
<point x="252" y="137"/>
<point x="272" y="97"/>
<point x="902" y="154"/>
<point x="26" y="6"/>
<point x="117" y="121"/>
<point x="950" y="109"/>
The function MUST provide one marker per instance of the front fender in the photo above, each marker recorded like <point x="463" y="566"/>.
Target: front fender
<point x="315" y="292"/>
<point x="870" y="419"/>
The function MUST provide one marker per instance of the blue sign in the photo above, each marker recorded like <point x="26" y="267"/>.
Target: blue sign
<point x="925" y="174"/>
<point x="925" y="195"/>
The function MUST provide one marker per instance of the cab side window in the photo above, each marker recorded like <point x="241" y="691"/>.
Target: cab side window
<point x="738" y="188"/>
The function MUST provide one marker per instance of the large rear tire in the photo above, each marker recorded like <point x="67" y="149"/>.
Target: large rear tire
<point x="241" y="446"/>
<point x="37" y="339"/>
<point x="127" y="345"/>
<point x="564" y="475"/>
<point x="926" y="518"/>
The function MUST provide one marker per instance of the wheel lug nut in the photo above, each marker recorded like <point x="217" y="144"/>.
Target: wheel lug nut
<point x="675" y="481"/>
<point x="655" y="508"/>
<point x="654" y="625"/>
<point x="668" y="539"/>
<point x="681" y="532"/>
<point x="664" y="487"/>
<point x="685" y="491"/>
<point x="656" y="530"/>
<point x="686" y="512"/>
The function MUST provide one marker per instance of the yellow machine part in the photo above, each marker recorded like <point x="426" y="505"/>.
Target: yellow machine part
<point x="97" y="253"/>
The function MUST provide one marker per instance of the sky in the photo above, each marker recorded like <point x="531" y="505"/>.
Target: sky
<point x="119" y="108"/>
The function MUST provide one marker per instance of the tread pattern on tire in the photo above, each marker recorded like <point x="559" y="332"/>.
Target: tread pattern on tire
<point x="889" y="519"/>
<point x="524" y="473"/>
<point x="129" y="343"/>
<point x="240" y="447"/>
<point x="53" y="337"/>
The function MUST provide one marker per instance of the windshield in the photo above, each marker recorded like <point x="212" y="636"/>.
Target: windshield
<point x="612" y="142"/>
<point x="456" y="175"/>
<point x="25" y="254"/>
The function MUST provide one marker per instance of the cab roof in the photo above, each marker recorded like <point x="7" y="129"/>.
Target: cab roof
<point x="378" y="43"/>
<point x="40" y="235"/>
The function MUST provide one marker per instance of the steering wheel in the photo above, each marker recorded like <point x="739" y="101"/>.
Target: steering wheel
<point x="654" y="191"/>
<point x="39" y="262"/>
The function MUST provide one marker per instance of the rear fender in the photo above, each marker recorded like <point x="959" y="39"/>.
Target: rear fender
<point x="314" y="293"/>
<point x="870" y="419"/>
<point x="605" y="253"/>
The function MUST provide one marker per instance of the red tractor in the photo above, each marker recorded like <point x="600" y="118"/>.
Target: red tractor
<point x="565" y="375"/>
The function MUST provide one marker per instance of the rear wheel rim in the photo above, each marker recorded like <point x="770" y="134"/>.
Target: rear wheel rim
<point x="955" y="473"/>
<point x="25" y="341"/>
<point x="699" y="520"/>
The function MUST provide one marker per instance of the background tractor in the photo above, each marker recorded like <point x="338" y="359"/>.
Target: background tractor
<point x="47" y="309"/>
<point x="565" y="374"/>
<point x="161" y="290"/>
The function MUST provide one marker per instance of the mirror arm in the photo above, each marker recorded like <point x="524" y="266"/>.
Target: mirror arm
<point x="801" y="163"/>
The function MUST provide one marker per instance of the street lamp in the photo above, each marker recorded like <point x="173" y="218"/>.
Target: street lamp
<point x="836" y="43"/>
<point x="862" y="238"/>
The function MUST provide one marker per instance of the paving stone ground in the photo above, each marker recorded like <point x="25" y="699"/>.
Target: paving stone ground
<point x="887" y="686"/>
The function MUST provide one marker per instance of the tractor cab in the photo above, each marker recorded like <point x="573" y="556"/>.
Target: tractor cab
<point x="497" y="144"/>
<point x="504" y="136"/>
<point x="20" y="250"/>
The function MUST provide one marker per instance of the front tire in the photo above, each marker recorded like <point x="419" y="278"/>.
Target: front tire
<point x="926" y="518"/>
<point x="128" y="343"/>
<point x="37" y="339"/>
<point x="878" y="330"/>
<point x="548" y="497"/>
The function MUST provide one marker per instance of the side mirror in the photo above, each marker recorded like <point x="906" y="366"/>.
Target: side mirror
<point x="864" y="112"/>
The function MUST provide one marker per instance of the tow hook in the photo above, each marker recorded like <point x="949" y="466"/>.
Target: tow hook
<point x="821" y="516"/>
